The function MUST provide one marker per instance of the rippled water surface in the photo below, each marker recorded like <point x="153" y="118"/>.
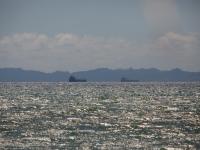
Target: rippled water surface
<point x="100" y="115"/>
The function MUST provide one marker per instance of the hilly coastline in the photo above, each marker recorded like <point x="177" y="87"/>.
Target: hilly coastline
<point x="98" y="75"/>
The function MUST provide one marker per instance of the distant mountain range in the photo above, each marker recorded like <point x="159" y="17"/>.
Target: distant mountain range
<point x="99" y="75"/>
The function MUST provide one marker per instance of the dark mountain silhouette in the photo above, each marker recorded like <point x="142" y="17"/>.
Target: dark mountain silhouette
<point x="99" y="75"/>
<point x="17" y="74"/>
<point x="152" y="74"/>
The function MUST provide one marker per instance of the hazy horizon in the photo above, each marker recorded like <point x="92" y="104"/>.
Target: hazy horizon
<point x="68" y="35"/>
<point x="113" y="69"/>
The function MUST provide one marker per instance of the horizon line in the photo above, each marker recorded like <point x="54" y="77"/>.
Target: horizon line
<point x="113" y="69"/>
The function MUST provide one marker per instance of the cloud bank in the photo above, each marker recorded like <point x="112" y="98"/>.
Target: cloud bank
<point x="67" y="51"/>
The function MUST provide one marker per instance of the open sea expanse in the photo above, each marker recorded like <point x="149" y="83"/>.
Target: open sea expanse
<point x="140" y="115"/>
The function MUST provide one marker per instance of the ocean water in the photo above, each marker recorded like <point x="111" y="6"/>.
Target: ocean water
<point x="152" y="115"/>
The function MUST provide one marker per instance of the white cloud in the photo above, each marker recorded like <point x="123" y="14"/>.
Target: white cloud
<point x="66" y="51"/>
<point x="174" y="41"/>
<point x="24" y="41"/>
<point x="177" y="50"/>
<point x="61" y="52"/>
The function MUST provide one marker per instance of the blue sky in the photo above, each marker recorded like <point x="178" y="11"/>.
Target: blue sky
<point x="74" y="35"/>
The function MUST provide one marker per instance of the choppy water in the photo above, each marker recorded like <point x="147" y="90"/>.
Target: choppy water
<point x="99" y="115"/>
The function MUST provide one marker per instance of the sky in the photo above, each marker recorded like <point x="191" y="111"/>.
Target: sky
<point x="75" y="35"/>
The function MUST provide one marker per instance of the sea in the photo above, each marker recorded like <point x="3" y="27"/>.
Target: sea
<point x="100" y="115"/>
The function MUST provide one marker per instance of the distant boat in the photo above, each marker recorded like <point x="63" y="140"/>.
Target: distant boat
<point x="73" y="79"/>
<point x="123" y="79"/>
